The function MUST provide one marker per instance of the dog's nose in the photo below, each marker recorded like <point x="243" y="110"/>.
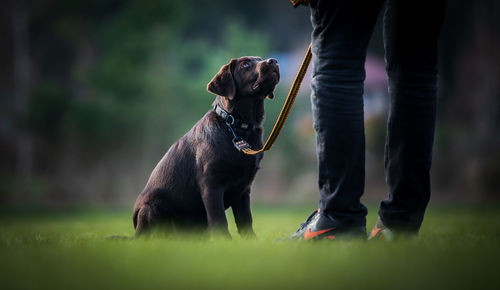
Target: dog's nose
<point x="271" y="61"/>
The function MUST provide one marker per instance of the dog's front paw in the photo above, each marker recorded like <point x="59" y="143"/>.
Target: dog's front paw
<point x="218" y="233"/>
<point x="248" y="234"/>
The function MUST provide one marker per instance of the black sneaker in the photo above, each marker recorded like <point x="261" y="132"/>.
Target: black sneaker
<point x="321" y="226"/>
<point x="381" y="232"/>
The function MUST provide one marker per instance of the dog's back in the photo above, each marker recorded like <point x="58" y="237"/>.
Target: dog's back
<point x="170" y="189"/>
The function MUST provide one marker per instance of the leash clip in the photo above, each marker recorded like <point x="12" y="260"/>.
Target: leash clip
<point x="240" y="144"/>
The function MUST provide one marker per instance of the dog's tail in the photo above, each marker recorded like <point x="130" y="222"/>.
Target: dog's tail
<point x="134" y="217"/>
<point x="142" y="219"/>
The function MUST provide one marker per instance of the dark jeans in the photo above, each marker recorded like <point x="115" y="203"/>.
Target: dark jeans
<point x="341" y="32"/>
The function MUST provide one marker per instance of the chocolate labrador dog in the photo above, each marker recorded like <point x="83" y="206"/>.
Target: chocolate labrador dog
<point x="203" y="173"/>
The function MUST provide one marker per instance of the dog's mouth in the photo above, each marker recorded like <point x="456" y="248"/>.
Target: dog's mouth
<point x="276" y="74"/>
<point x="267" y="79"/>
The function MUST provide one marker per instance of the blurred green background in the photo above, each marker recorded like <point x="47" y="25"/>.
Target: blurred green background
<point x="94" y="92"/>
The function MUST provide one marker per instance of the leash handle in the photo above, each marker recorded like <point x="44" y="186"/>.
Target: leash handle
<point x="244" y="147"/>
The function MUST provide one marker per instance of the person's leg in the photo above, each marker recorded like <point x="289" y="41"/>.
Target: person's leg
<point x="341" y="32"/>
<point x="411" y="32"/>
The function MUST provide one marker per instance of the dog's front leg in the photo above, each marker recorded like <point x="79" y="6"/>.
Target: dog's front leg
<point x="243" y="215"/>
<point x="213" y="200"/>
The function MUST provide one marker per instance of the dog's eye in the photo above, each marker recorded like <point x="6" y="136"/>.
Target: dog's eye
<point x="245" y="65"/>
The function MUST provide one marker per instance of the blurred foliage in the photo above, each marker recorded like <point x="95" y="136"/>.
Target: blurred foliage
<point x="131" y="70"/>
<point x="110" y="85"/>
<point x="117" y="82"/>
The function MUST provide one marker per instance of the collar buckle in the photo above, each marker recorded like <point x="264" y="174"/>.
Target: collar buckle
<point x="229" y="120"/>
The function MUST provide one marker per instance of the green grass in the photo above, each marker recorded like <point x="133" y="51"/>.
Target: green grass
<point x="457" y="249"/>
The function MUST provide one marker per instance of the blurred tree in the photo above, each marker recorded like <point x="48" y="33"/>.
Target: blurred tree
<point x="114" y="84"/>
<point x="21" y="88"/>
<point x="468" y="146"/>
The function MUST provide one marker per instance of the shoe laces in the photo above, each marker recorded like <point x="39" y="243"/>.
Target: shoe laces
<point x="308" y="220"/>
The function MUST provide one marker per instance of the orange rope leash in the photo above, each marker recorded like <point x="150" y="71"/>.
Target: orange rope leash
<point x="244" y="147"/>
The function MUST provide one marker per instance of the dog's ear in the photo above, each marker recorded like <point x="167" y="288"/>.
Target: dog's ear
<point x="270" y="96"/>
<point x="223" y="83"/>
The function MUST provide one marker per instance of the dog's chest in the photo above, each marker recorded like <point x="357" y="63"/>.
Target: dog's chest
<point x="241" y="176"/>
<point x="245" y="164"/>
<point x="242" y="169"/>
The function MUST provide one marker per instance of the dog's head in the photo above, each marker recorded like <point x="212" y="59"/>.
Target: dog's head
<point x="246" y="77"/>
